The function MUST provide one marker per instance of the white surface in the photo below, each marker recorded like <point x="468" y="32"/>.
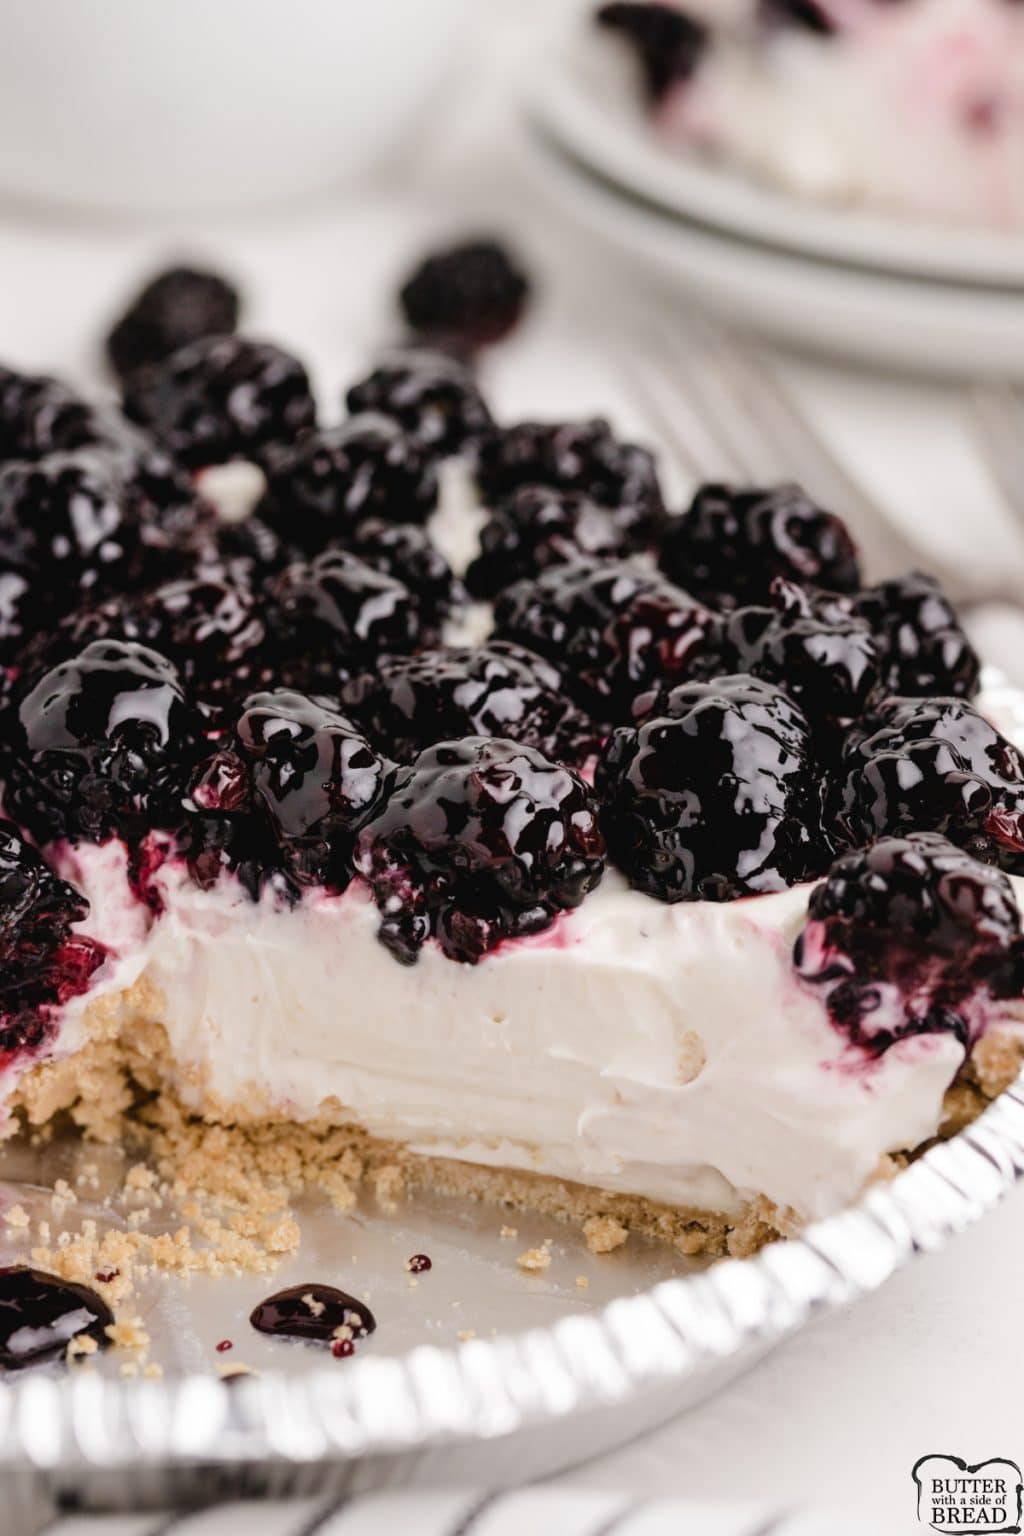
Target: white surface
<point x="837" y="1416"/>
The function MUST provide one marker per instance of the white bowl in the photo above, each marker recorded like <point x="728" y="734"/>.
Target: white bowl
<point x="173" y="105"/>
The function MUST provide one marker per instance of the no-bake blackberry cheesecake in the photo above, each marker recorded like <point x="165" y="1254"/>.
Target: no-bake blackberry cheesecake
<point x="915" y="106"/>
<point x="578" y="853"/>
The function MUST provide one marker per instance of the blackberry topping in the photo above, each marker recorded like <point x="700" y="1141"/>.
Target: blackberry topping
<point x="333" y="615"/>
<point x="220" y="398"/>
<point x="409" y="702"/>
<point x="669" y="43"/>
<point x="830" y="666"/>
<point x="481" y="840"/>
<point x="935" y="765"/>
<point x="575" y="456"/>
<point x="177" y="307"/>
<point x="731" y="544"/>
<point x="39" y="416"/>
<point x="100" y="745"/>
<point x="911" y="936"/>
<point x="287" y="792"/>
<point x="715" y="796"/>
<point x="927" y="652"/>
<point x="433" y="398"/>
<point x="537" y="527"/>
<point x="41" y="962"/>
<point x="618" y="631"/>
<point x="72" y="519"/>
<point x="470" y="294"/>
<point x="22" y="610"/>
<point x="320" y="486"/>
<point x="407" y="552"/>
<point x="210" y="628"/>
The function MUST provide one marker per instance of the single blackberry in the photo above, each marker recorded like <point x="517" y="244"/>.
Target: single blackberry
<point x="480" y="840"/>
<point x="617" y="631"/>
<point x="582" y="456"/>
<point x="176" y="307"/>
<point x="434" y="399"/>
<point x="830" y="666"/>
<point x="285" y="794"/>
<point x="332" y="616"/>
<point x="319" y="487"/>
<point x="537" y="527"/>
<point x="731" y="544"/>
<point x="926" y="650"/>
<point x="470" y="294"/>
<point x="39" y="415"/>
<point x="220" y="398"/>
<point x="911" y="936"/>
<point x="410" y="702"/>
<point x="408" y="553"/>
<point x="100" y="745"/>
<point x="669" y="43"/>
<point x="715" y="796"/>
<point x="934" y="765"/>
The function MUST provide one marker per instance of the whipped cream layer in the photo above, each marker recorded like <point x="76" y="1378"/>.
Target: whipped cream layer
<point x="669" y="1052"/>
<point x="917" y="107"/>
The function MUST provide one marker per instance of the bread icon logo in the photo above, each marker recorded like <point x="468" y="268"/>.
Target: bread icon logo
<point x="952" y="1495"/>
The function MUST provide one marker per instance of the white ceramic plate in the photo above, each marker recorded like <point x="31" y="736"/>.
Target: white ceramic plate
<point x="891" y="318"/>
<point x="587" y="101"/>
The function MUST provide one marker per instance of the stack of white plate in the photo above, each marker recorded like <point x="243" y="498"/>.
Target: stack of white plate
<point x="869" y="285"/>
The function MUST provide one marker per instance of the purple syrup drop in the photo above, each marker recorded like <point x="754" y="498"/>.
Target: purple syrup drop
<point x="419" y="1264"/>
<point x="40" y="1315"/>
<point x="313" y="1312"/>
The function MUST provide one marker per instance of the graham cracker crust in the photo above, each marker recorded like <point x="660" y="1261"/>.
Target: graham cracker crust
<point x="229" y="1175"/>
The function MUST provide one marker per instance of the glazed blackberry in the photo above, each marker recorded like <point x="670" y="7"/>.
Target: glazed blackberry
<point x="220" y="398"/>
<point x="42" y="962"/>
<point x="39" y="416"/>
<point x="72" y="519"/>
<point x="408" y="553"/>
<point x="617" y="631"/>
<point x="669" y="43"/>
<point x="177" y="307"/>
<point x="829" y="665"/>
<point x="434" y="399"/>
<point x="731" y="544"/>
<point x="582" y="456"/>
<point x="715" y="796"/>
<point x="911" y="936"/>
<point x="926" y="650"/>
<point x="480" y="840"/>
<point x="470" y="295"/>
<point x="319" y="487"/>
<point x="285" y="794"/>
<point x="211" y="629"/>
<point x="934" y="765"/>
<point x="537" y="527"/>
<point x="100" y="745"/>
<point x="409" y="702"/>
<point x="332" y="616"/>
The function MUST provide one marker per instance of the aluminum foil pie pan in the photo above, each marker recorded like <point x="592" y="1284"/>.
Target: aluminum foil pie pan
<point x="477" y="1371"/>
